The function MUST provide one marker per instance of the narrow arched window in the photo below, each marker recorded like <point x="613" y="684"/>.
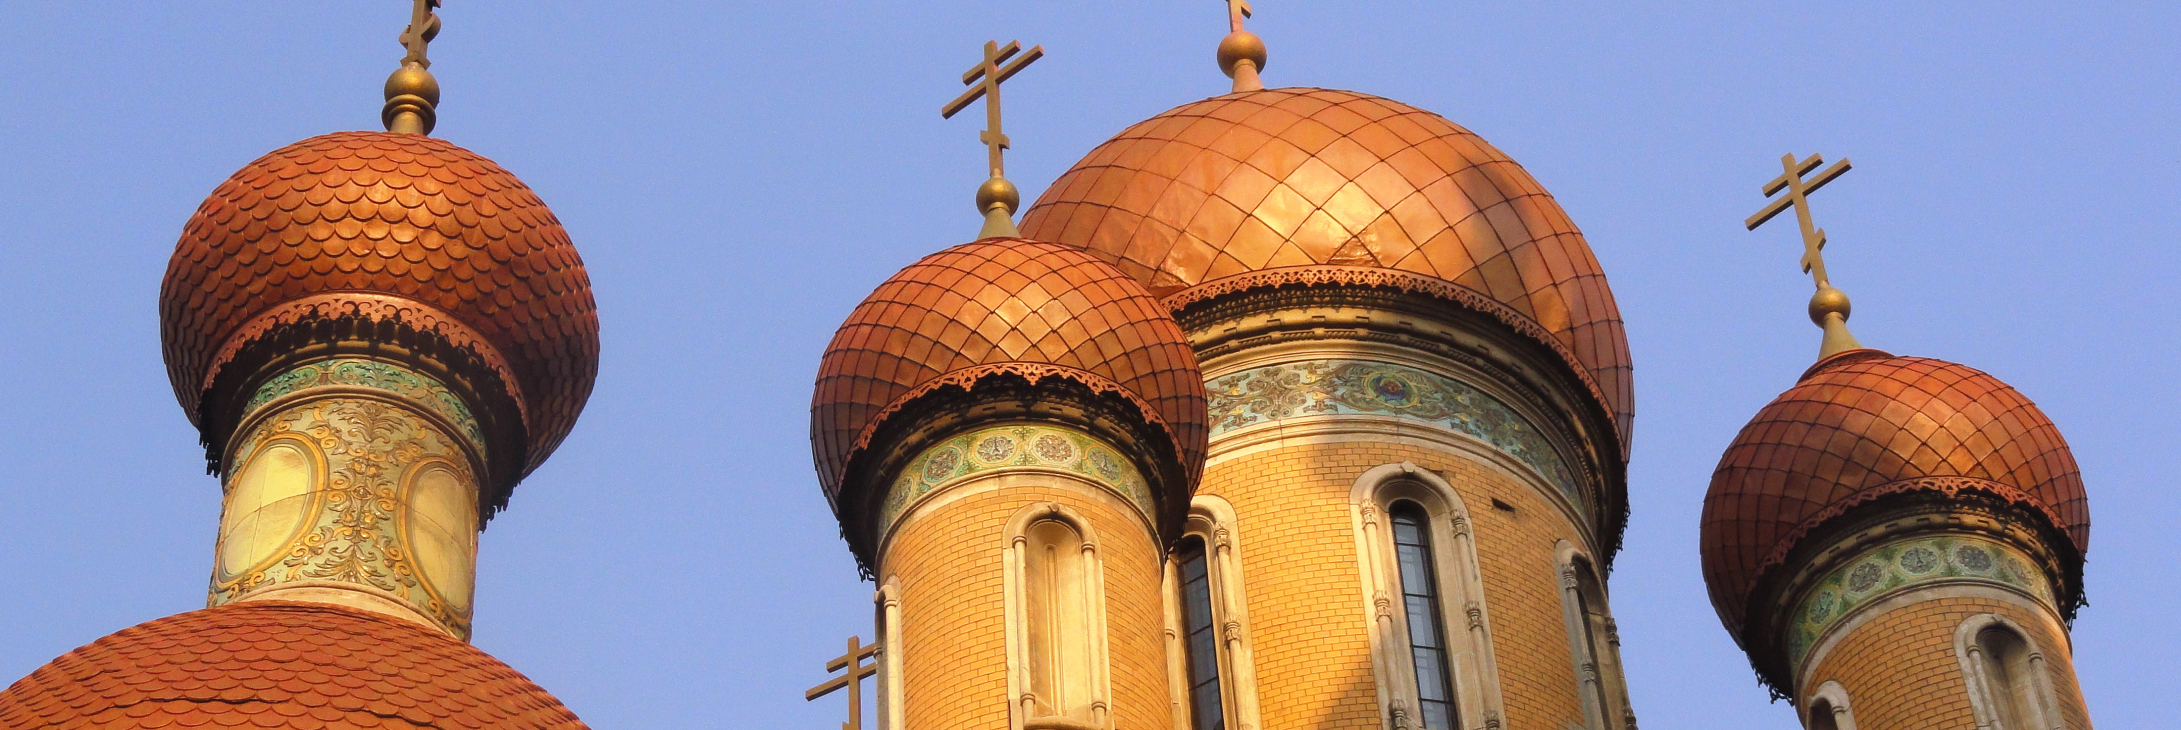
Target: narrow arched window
<point x="1821" y="716"/>
<point x="1057" y="573"/>
<point x="1597" y="646"/>
<point x="1420" y="599"/>
<point x="2007" y="674"/>
<point x="1200" y="637"/>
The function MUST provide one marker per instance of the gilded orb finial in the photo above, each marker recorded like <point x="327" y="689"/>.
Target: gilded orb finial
<point x="997" y="198"/>
<point x="412" y="95"/>
<point x="1241" y="53"/>
<point x="1829" y="306"/>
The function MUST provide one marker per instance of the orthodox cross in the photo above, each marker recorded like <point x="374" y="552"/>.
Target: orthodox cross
<point x="853" y="679"/>
<point x="1798" y="192"/>
<point x="423" y="27"/>
<point x="1236" y="11"/>
<point x="985" y="78"/>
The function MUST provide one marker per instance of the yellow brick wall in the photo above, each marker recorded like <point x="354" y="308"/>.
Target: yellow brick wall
<point x="1308" y="628"/>
<point x="953" y="630"/>
<point x="1901" y="672"/>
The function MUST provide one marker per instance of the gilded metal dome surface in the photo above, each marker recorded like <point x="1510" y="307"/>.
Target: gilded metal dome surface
<point x="1308" y="186"/>
<point x="1003" y="305"/>
<point x="386" y="227"/>
<point x="1864" y="425"/>
<point x="277" y="664"/>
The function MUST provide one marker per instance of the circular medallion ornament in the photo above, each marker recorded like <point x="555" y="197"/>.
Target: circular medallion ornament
<point x="1865" y="577"/>
<point x="1973" y="558"/>
<point x="1051" y="447"/>
<point x="1392" y="390"/>
<point x="942" y="464"/>
<point x="995" y="449"/>
<point x="1919" y="560"/>
<point x="1103" y="462"/>
<point x="1821" y="608"/>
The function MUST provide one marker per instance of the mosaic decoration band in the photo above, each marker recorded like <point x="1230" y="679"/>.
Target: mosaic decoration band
<point x="424" y="390"/>
<point x="1897" y="566"/>
<point x="351" y="491"/>
<point x="1360" y="387"/>
<point x="986" y="449"/>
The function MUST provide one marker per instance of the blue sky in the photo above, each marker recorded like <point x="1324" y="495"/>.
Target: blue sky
<point x="739" y="175"/>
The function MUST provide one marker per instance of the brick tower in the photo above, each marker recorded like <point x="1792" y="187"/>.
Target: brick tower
<point x="1419" y="412"/>
<point x="1897" y="542"/>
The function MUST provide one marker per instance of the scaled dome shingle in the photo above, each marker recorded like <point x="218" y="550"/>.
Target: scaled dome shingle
<point x="1313" y="185"/>
<point x="1864" y="425"/>
<point x="1029" y="307"/>
<point x="387" y="226"/>
<point x="280" y="665"/>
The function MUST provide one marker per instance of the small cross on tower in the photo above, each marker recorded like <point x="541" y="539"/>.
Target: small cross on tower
<point x="986" y="77"/>
<point x="852" y="679"/>
<point x="1236" y="11"/>
<point x="417" y="37"/>
<point x="1829" y="306"/>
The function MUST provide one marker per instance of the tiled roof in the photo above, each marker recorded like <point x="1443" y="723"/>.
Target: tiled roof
<point x="1027" y="307"/>
<point x="1863" y="425"/>
<point x="1283" y="181"/>
<point x="398" y="226"/>
<point x="268" y="664"/>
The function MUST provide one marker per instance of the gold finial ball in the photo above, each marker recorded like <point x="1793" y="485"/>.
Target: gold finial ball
<point x="1238" y="46"/>
<point x="413" y="80"/>
<point x="1826" y="301"/>
<point x="998" y="190"/>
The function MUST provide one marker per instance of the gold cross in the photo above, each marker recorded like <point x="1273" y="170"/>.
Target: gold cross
<point x="423" y="27"/>
<point x="986" y="78"/>
<point x="1798" y="192"/>
<point x="853" y="679"/>
<point x="1236" y="11"/>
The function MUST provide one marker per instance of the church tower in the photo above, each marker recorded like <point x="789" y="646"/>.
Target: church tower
<point x="1420" y="405"/>
<point x="1897" y="542"/>
<point x="377" y="334"/>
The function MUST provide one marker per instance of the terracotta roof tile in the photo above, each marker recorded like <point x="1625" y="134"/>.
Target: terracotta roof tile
<point x="277" y="664"/>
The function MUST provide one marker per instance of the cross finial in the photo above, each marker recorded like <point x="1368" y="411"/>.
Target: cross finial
<point x="412" y="95"/>
<point x="997" y="198"/>
<point x="852" y="679"/>
<point x="1241" y="53"/>
<point x="1829" y="306"/>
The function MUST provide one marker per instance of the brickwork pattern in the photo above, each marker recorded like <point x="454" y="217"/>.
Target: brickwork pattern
<point x="953" y="616"/>
<point x="1901" y="672"/>
<point x="1309" y="632"/>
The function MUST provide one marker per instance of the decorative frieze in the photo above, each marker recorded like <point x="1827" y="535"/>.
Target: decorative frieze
<point x="424" y="390"/>
<point x="1358" y="387"/>
<point x="1043" y="447"/>
<point x="1903" y="565"/>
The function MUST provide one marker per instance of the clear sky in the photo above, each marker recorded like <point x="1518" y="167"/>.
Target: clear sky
<point x="738" y="175"/>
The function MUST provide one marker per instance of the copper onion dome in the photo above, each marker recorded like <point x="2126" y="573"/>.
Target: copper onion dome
<point x="400" y="234"/>
<point x="278" y="664"/>
<point x="1003" y="307"/>
<point x="1862" y="426"/>
<point x="1306" y="186"/>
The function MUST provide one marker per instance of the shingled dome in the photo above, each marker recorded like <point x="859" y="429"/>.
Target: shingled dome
<point x="1303" y="186"/>
<point x="1863" y="425"/>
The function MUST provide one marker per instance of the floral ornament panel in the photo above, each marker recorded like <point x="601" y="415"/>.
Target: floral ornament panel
<point x="1906" y="564"/>
<point x="1357" y="387"/>
<point x="345" y="523"/>
<point x="1013" y="446"/>
<point x="358" y="372"/>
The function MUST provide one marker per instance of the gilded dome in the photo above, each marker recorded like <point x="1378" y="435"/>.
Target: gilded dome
<point x="1003" y="306"/>
<point x="1302" y="186"/>
<point x="276" y="664"/>
<point x="1863" y="425"/>
<point x="386" y="228"/>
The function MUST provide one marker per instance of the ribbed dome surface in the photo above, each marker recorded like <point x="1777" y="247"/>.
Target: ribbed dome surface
<point x="389" y="226"/>
<point x="1003" y="305"/>
<point x="275" y="665"/>
<point x="1312" y="185"/>
<point x="1864" y="425"/>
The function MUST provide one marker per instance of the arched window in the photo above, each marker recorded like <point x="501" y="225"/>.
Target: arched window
<point x="1829" y="708"/>
<point x="1207" y="628"/>
<point x="1056" y="621"/>
<point x="2009" y="686"/>
<point x="1594" y="642"/>
<point x="1431" y="641"/>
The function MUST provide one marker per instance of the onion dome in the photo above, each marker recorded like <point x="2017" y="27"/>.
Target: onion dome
<point x="1864" y="426"/>
<point x="399" y="240"/>
<point x="1287" y="187"/>
<point x="276" y="664"/>
<point x="1004" y="312"/>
